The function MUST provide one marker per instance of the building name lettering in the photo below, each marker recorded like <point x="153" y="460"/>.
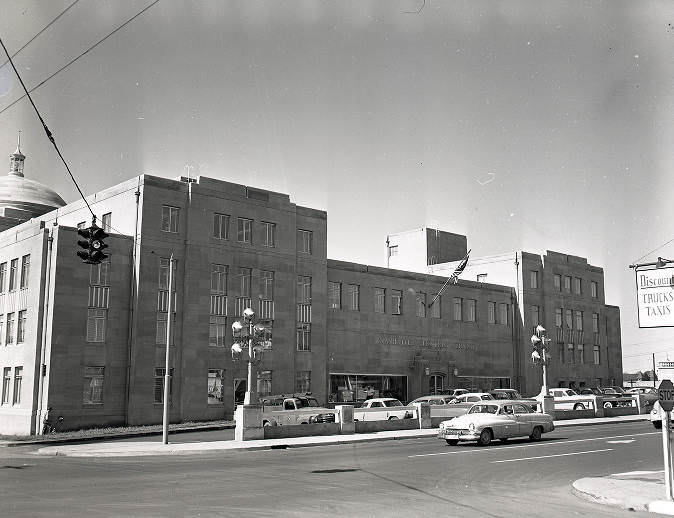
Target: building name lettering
<point x="414" y="341"/>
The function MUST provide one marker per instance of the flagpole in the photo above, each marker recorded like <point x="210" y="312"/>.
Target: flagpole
<point x="454" y="276"/>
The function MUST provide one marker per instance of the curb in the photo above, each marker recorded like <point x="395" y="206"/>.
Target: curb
<point x="604" y="500"/>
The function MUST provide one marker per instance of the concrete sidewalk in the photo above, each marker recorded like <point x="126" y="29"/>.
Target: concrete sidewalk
<point x="133" y="449"/>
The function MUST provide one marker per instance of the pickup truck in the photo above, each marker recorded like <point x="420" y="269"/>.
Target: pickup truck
<point x="381" y="409"/>
<point x="294" y="409"/>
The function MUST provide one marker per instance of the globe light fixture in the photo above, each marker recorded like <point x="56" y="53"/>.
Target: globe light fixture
<point x="257" y="338"/>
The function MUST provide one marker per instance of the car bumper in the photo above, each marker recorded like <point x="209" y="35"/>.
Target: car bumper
<point x="458" y="435"/>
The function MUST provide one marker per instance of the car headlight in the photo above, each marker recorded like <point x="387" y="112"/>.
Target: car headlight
<point x="471" y="426"/>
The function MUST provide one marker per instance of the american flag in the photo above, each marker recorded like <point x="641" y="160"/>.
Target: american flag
<point x="454" y="278"/>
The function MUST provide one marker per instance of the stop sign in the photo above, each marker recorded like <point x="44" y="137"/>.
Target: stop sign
<point x="666" y="395"/>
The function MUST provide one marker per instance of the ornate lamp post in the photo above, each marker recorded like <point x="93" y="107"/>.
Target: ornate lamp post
<point x="257" y="338"/>
<point x="539" y="342"/>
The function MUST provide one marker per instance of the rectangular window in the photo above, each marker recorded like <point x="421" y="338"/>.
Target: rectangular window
<point x="9" y="336"/>
<point x="595" y="350"/>
<point x="13" y="270"/>
<point x="244" y="277"/>
<point x="435" y="306"/>
<point x="220" y="226"/>
<point x="572" y="358"/>
<point x="491" y="312"/>
<point x="164" y="273"/>
<point x="303" y="336"/>
<point x="303" y="381"/>
<point x="557" y="281"/>
<point x="456" y="304"/>
<point x="21" y="327"/>
<point x="471" y="314"/>
<point x="267" y="284"/>
<point x="2" y="327"/>
<point x="244" y="230"/>
<point x="219" y="279"/>
<point x="304" y="241"/>
<point x="99" y="274"/>
<point x="353" y="297"/>
<point x="481" y="277"/>
<point x="581" y="353"/>
<point x="169" y="218"/>
<point x="159" y="385"/>
<point x="503" y="313"/>
<point x="96" y="324"/>
<point x="577" y="285"/>
<point x="535" y="312"/>
<point x="18" y="377"/>
<point x="25" y="270"/>
<point x="93" y="385"/>
<point x="392" y="250"/>
<point x="568" y="316"/>
<point x="334" y="295"/>
<point x="162" y="323"/>
<point x="380" y="300"/>
<point x="561" y="353"/>
<point x="593" y="289"/>
<point x="6" y="384"/>
<point x="107" y="221"/>
<point x="421" y="304"/>
<point x="216" y="331"/>
<point x="567" y="284"/>
<point x="595" y="322"/>
<point x="263" y="383"/>
<point x="396" y="302"/>
<point x="81" y="225"/>
<point x="3" y="276"/>
<point x="215" y="392"/>
<point x="533" y="277"/>
<point x="579" y="320"/>
<point x="268" y="234"/>
<point x="303" y="289"/>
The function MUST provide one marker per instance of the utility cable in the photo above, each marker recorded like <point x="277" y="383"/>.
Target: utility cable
<point x="79" y="56"/>
<point x="46" y="129"/>
<point x="41" y="31"/>
<point x="654" y="250"/>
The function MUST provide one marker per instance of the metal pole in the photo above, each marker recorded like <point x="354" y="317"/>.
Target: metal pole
<point x="667" y="452"/>
<point x="545" y="375"/>
<point x="247" y="399"/>
<point x="167" y="376"/>
<point x="654" y="370"/>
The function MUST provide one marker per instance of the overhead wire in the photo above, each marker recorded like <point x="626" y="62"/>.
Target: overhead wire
<point x="78" y="57"/>
<point x="654" y="250"/>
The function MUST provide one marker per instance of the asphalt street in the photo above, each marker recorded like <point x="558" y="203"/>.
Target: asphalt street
<point x="414" y="477"/>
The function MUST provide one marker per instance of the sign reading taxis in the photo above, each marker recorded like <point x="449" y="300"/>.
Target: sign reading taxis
<point x="666" y="395"/>
<point x="655" y="297"/>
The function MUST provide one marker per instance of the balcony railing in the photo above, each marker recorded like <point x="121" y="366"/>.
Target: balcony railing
<point x="241" y="303"/>
<point x="304" y="313"/>
<point x="162" y="301"/>
<point x="99" y="296"/>
<point x="560" y="335"/>
<point x="219" y="305"/>
<point x="266" y="309"/>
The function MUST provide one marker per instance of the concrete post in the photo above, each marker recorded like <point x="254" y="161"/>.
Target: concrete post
<point x="347" y="425"/>
<point x="548" y="405"/>
<point x="248" y="423"/>
<point x="598" y="406"/>
<point x="423" y="415"/>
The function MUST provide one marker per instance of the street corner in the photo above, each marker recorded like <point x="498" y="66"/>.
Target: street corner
<point x="633" y="491"/>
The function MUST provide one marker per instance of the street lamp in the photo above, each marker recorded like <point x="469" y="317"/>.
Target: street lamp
<point x="258" y="338"/>
<point x="539" y="342"/>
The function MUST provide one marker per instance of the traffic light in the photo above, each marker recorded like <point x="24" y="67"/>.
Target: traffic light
<point x="93" y="245"/>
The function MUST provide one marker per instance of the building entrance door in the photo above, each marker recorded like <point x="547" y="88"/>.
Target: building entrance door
<point x="436" y="384"/>
<point x="240" y="387"/>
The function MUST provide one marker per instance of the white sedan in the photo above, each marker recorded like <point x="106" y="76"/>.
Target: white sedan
<point x="496" y="419"/>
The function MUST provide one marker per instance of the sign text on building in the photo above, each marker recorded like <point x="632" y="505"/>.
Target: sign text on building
<point x="417" y="341"/>
<point x="655" y="297"/>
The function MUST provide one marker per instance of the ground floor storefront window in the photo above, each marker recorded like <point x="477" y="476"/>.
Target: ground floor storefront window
<point x="352" y="388"/>
<point x="481" y="383"/>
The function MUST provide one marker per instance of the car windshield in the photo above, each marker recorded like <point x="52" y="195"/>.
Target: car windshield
<point x="306" y="402"/>
<point x="392" y="402"/>
<point x="483" y="409"/>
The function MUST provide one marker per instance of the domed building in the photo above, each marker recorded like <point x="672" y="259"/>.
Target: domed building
<point x="21" y="198"/>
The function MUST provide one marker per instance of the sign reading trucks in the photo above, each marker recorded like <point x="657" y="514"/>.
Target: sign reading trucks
<point x="655" y="297"/>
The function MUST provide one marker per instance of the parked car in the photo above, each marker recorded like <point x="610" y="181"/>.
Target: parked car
<point x="287" y="409"/>
<point x="650" y="394"/>
<point x="567" y="399"/>
<point x="496" y="419"/>
<point x="471" y="397"/>
<point x="454" y="392"/>
<point x="610" y="395"/>
<point x="388" y="408"/>
<point x="513" y="395"/>
<point x="432" y="400"/>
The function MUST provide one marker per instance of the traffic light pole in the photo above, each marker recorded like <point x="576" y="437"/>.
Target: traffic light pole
<point x="167" y="376"/>
<point x="544" y="388"/>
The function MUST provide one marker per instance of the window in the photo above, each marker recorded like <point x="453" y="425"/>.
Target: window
<point x="303" y="336"/>
<point x="3" y="276"/>
<point x="392" y="250"/>
<point x="21" y="327"/>
<point x="503" y="313"/>
<point x="421" y="304"/>
<point x="264" y="383"/>
<point x="244" y="230"/>
<point x="6" y="384"/>
<point x="267" y="284"/>
<point x="18" y="377"/>
<point x="2" y="327"/>
<point x="491" y="312"/>
<point x="577" y="284"/>
<point x="456" y="303"/>
<point x="353" y="297"/>
<point x="96" y="324"/>
<point x="162" y="323"/>
<point x="471" y="315"/>
<point x="304" y="241"/>
<point x="244" y="276"/>
<point x="533" y="279"/>
<point x="572" y="358"/>
<point x="220" y="226"/>
<point x="567" y="284"/>
<point x="303" y="381"/>
<point x="13" y="268"/>
<point x="435" y="306"/>
<point x="334" y="295"/>
<point x="215" y="392"/>
<point x="561" y="353"/>
<point x="535" y="312"/>
<point x="169" y="218"/>
<point x="81" y="225"/>
<point x="159" y="386"/>
<point x="268" y="234"/>
<point x="581" y="353"/>
<point x="25" y="270"/>
<point x="9" y="336"/>
<point x="164" y="273"/>
<point x="595" y="322"/>
<point x="481" y="277"/>
<point x="303" y="289"/>
<point x="593" y="289"/>
<point x="557" y="281"/>
<point x="568" y="316"/>
<point x="216" y="331"/>
<point x="107" y="221"/>
<point x="380" y="300"/>
<point x="93" y="385"/>
<point x="396" y="302"/>
<point x="595" y="350"/>
<point x="219" y="278"/>
<point x="99" y="274"/>
<point x="579" y="320"/>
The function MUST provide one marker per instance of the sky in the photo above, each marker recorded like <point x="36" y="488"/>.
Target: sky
<point x="525" y="125"/>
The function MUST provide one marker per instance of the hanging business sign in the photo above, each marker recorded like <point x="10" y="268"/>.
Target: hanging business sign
<point x="655" y="297"/>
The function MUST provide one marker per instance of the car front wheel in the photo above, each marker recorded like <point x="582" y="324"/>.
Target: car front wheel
<point x="607" y="405"/>
<point x="452" y="442"/>
<point x="485" y="437"/>
<point x="579" y="406"/>
<point x="536" y="434"/>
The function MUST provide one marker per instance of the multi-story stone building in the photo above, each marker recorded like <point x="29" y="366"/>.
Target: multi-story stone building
<point x="89" y="341"/>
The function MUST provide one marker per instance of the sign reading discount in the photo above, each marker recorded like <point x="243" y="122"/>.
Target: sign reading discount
<point x="666" y="395"/>
<point x="655" y="297"/>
